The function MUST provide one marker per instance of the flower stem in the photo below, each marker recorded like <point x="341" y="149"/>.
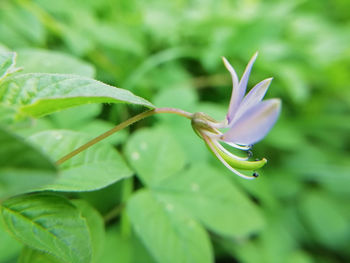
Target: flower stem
<point x="127" y="189"/>
<point x="121" y="126"/>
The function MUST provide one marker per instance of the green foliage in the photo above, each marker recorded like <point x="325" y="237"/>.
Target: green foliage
<point x="60" y="62"/>
<point x="49" y="223"/>
<point x="95" y="168"/>
<point x="43" y="61"/>
<point x="36" y="256"/>
<point x="7" y="62"/>
<point x="213" y="200"/>
<point x="10" y="247"/>
<point x="147" y="146"/>
<point x="39" y="94"/>
<point x="95" y="226"/>
<point x="169" y="233"/>
<point x="130" y="250"/>
<point x="22" y="166"/>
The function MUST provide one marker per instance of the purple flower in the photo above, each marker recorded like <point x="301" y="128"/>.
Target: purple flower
<point x="248" y="120"/>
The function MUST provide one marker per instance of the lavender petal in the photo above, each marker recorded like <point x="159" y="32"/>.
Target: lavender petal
<point x="255" y="95"/>
<point x="239" y="91"/>
<point x="254" y="124"/>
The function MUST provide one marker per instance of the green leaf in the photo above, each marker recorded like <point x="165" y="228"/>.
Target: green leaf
<point x="74" y="118"/>
<point x="49" y="223"/>
<point x="29" y="255"/>
<point x="7" y="63"/>
<point x="130" y="249"/>
<point x="96" y="227"/>
<point x="39" y="94"/>
<point x="326" y="219"/>
<point x="178" y="97"/>
<point x="96" y="230"/>
<point x="20" y="27"/>
<point x="169" y="233"/>
<point x="97" y="126"/>
<point x="45" y="61"/>
<point x="9" y="247"/>
<point x="22" y="166"/>
<point x="3" y="48"/>
<point x="95" y="168"/>
<point x="154" y="154"/>
<point x="211" y="197"/>
<point x="7" y="114"/>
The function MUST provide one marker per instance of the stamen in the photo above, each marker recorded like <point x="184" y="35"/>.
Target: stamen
<point x="211" y="134"/>
<point x="237" y="146"/>
<point x="218" y="125"/>
<point x="209" y="143"/>
<point x="250" y="154"/>
<point x="222" y="148"/>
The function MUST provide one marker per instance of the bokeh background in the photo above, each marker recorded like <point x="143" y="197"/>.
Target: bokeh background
<point x="169" y="52"/>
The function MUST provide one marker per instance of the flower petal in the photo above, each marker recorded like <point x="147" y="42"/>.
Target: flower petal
<point x="255" y="95"/>
<point x="254" y="124"/>
<point x="240" y="89"/>
<point x="232" y="71"/>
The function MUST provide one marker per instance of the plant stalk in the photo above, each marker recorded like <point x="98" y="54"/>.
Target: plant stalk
<point x="121" y="126"/>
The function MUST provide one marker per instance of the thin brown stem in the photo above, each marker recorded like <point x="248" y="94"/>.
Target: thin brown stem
<point x="122" y="126"/>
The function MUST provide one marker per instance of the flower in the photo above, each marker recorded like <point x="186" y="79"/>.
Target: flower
<point x="248" y="120"/>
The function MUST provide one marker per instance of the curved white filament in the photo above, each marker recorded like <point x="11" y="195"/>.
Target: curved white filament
<point x="209" y="143"/>
<point x="223" y="149"/>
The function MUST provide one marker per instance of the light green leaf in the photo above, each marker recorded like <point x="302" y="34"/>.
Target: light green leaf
<point x="7" y="63"/>
<point x="96" y="227"/>
<point x="211" y="197"/>
<point x="3" y="48"/>
<point x="45" y="61"/>
<point x="19" y="26"/>
<point x="7" y="114"/>
<point x="178" y="97"/>
<point x="96" y="127"/>
<point x="49" y="223"/>
<point x="154" y="154"/>
<point x="29" y="255"/>
<point x="169" y="233"/>
<point x="39" y="94"/>
<point x="95" y="168"/>
<point x="22" y="166"/>
<point x="73" y="118"/>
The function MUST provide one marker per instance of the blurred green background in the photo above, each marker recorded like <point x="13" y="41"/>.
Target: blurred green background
<point x="169" y="52"/>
